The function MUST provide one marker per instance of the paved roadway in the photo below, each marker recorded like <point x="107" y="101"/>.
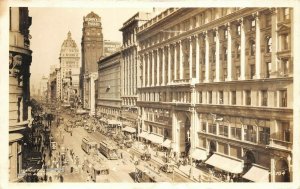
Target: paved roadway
<point x="121" y="170"/>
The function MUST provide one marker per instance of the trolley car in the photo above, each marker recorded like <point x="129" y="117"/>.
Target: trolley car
<point x="108" y="150"/>
<point x="88" y="145"/>
<point x="144" y="173"/>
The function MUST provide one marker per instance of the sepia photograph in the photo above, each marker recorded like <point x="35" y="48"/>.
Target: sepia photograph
<point x="157" y="94"/>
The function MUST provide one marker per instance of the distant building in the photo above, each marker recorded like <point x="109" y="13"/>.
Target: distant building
<point x="44" y="88"/>
<point x="19" y="88"/>
<point x="69" y="67"/>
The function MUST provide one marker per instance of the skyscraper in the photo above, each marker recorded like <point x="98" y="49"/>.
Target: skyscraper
<point x="91" y="46"/>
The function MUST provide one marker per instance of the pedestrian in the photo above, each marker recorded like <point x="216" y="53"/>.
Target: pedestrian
<point x="121" y="155"/>
<point x="61" y="178"/>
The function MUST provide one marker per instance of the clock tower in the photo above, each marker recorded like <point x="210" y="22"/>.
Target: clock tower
<point x="91" y="48"/>
<point x="91" y="42"/>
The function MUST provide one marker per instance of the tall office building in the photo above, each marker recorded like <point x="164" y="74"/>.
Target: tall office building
<point x="91" y="49"/>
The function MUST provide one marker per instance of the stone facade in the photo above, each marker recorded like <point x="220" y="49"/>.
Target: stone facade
<point x="221" y="80"/>
<point x="109" y="86"/>
<point x="130" y="72"/>
<point x="19" y="90"/>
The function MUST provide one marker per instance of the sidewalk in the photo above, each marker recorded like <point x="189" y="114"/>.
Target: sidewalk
<point x="182" y="170"/>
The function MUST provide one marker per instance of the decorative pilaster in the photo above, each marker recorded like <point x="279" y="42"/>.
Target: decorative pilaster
<point x="229" y="56"/>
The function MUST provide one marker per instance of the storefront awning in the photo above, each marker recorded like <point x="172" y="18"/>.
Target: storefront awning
<point x="226" y="163"/>
<point x="129" y="129"/>
<point x="199" y="154"/>
<point x="257" y="174"/>
<point x="167" y="143"/>
<point x="155" y="138"/>
<point x="143" y="134"/>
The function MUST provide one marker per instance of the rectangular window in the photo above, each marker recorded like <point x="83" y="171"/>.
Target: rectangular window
<point x="285" y="130"/>
<point x="250" y="133"/>
<point x="210" y="97"/>
<point x="200" y="97"/>
<point x="202" y="142"/>
<point x="283" y="98"/>
<point x="233" y="97"/>
<point x="236" y="133"/>
<point x="212" y="128"/>
<point x="238" y="30"/>
<point x="222" y="148"/>
<point x="252" y="71"/>
<point x="264" y="135"/>
<point x="237" y="72"/>
<point x="203" y="127"/>
<point x="221" y="97"/>
<point x="268" y="69"/>
<point x="235" y="151"/>
<point x="264" y="98"/>
<point x="223" y="130"/>
<point x="286" y="13"/>
<point x="248" y="97"/>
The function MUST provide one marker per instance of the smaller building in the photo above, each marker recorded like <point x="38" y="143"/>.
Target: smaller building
<point x="109" y="83"/>
<point x="111" y="47"/>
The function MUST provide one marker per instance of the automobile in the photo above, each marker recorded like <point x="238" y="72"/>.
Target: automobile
<point x="146" y="156"/>
<point x="167" y="168"/>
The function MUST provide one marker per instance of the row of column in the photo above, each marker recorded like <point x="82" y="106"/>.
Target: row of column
<point x="129" y="76"/>
<point x="172" y="57"/>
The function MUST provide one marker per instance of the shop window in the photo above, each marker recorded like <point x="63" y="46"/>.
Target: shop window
<point x="264" y="135"/>
<point x="250" y="133"/>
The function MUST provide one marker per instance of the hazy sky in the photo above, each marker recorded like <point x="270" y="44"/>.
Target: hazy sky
<point x="50" y="27"/>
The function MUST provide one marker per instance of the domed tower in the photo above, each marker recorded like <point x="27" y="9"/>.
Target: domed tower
<point x="69" y="61"/>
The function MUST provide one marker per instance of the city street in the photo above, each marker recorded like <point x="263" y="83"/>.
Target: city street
<point x="121" y="170"/>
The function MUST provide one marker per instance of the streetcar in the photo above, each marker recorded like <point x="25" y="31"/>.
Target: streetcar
<point x="108" y="150"/>
<point x="88" y="145"/>
<point x="145" y="173"/>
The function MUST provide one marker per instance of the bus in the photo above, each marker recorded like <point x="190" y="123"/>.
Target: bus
<point x="88" y="145"/>
<point x="144" y="173"/>
<point x="108" y="150"/>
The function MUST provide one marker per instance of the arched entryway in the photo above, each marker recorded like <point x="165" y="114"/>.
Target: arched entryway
<point x="249" y="159"/>
<point x="212" y="147"/>
<point x="184" y="126"/>
<point x="282" y="171"/>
